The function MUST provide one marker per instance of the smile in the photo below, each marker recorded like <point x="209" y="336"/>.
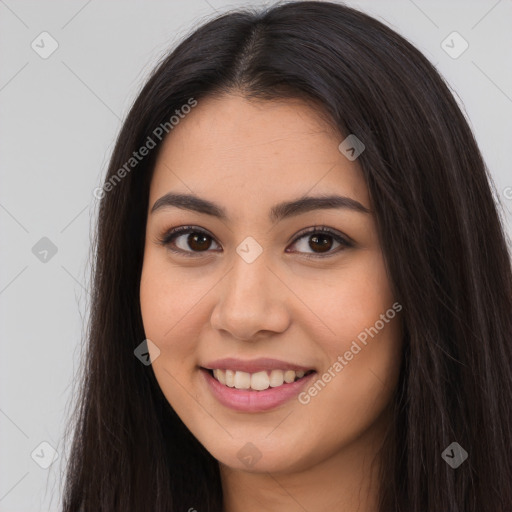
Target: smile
<point x="271" y="387"/>
<point x="258" y="381"/>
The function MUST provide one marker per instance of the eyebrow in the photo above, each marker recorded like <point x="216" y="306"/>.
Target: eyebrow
<point x="277" y="212"/>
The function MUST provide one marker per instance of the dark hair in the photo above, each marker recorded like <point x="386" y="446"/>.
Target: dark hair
<point x="440" y="232"/>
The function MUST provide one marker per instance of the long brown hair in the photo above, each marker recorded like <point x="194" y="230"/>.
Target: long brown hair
<point x="441" y="237"/>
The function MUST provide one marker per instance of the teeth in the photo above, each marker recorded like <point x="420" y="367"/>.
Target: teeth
<point x="289" y="376"/>
<point x="220" y="376"/>
<point x="276" y="378"/>
<point x="258" y="381"/>
<point x="229" y="377"/>
<point x="242" y="380"/>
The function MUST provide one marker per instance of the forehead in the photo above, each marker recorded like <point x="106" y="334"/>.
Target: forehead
<point x="247" y="153"/>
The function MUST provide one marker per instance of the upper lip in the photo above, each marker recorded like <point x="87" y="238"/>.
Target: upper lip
<point x="253" y="365"/>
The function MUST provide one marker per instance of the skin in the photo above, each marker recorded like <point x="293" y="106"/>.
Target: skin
<point x="247" y="156"/>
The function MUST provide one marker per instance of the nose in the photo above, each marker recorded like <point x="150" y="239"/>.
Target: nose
<point x="252" y="301"/>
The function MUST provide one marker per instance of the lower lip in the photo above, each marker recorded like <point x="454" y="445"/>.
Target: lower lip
<point x="254" y="401"/>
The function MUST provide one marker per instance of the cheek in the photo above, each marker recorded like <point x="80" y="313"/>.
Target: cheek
<point x="168" y="297"/>
<point x="361" y="385"/>
<point x="363" y="351"/>
<point x="158" y="306"/>
<point x="351" y="395"/>
<point x="351" y="300"/>
<point x="167" y="300"/>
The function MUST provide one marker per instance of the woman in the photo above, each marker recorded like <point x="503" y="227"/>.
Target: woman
<point x="297" y="231"/>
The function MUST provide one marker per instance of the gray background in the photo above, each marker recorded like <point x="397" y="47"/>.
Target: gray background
<point x="59" y="118"/>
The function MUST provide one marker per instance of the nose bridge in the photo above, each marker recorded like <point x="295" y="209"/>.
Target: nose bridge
<point x="249" y="283"/>
<point x="249" y="300"/>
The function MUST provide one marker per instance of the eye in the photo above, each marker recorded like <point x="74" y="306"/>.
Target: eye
<point x="321" y="238"/>
<point x="191" y="240"/>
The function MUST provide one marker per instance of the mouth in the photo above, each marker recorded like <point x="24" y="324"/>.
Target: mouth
<point x="257" y="381"/>
<point x="258" y="392"/>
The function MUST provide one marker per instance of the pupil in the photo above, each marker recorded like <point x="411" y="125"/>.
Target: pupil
<point x="325" y="244"/>
<point x="196" y="241"/>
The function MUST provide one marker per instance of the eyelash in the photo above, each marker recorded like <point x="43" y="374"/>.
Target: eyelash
<point x="171" y="234"/>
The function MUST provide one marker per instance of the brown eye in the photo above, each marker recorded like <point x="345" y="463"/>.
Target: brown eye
<point x="187" y="240"/>
<point x="320" y="240"/>
<point x="314" y="243"/>
<point x="198" y="241"/>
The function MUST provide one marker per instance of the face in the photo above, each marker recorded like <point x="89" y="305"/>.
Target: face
<point x="274" y="291"/>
